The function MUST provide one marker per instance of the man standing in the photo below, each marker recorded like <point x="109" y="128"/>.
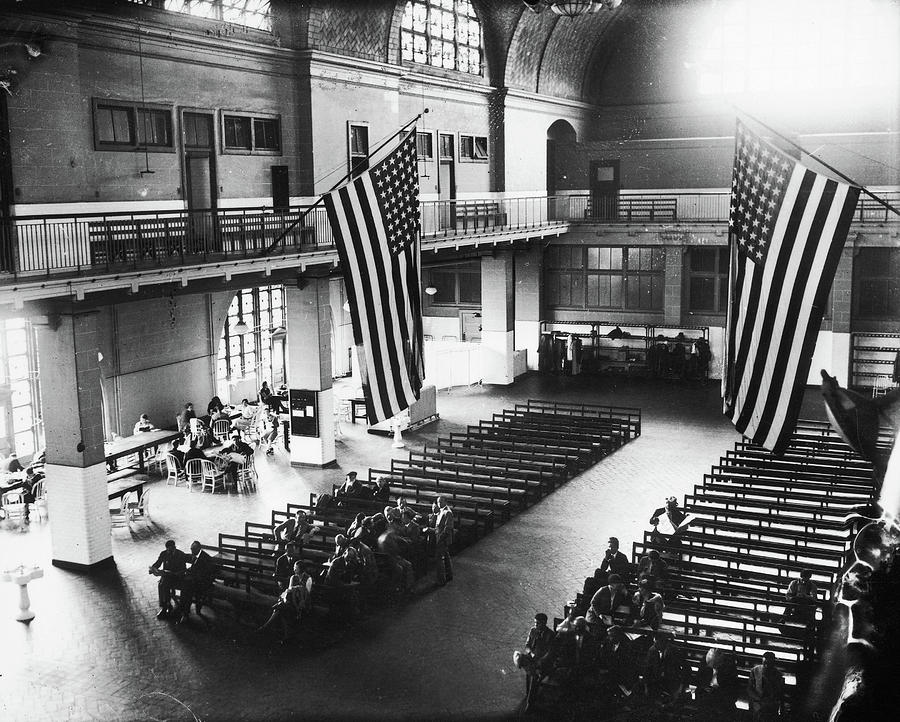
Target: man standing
<point x="169" y="567"/>
<point x="765" y="688"/>
<point x="197" y="580"/>
<point x="443" y="532"/>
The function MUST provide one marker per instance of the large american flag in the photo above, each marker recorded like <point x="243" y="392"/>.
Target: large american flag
<point x="788" y="226"/>
<point x="375" y="220"/>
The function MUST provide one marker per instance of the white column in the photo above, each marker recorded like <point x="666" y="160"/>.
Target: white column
<point x="308" y="322"/>
<point x="497" y="335"/>
<point x="72" y="407"/>
<point x="528" y="267"/>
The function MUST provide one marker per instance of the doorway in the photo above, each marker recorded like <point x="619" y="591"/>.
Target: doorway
<point x="604" y="189"/>
<point x="446" y="181"/>
<point x="470" y="326"/>
<point x="560" y="133"/>
<point x="201" y="184"/>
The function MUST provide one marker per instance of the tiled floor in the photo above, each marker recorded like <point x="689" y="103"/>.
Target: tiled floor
<point x="96" y="651"/>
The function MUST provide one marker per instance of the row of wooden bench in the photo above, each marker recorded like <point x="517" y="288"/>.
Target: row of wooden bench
<point x="487" y="474"/>
<point x="756" y="521"/>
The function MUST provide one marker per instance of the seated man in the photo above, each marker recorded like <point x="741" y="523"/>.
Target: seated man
<point x="765" y="688"/>
<point x="293" y="530"/>
<point x="368" y="566"/>
<point x="169" y="567"/>
<point x="352" y="488"/>
<point x="12" y="465"/>
<point x="617" y="659"/>
<point x="605" y="602"/>
<point x="143" y="424"/>
<point x="194" y="451"/>
<point x="284" y="565"/>
<point x="653" y="568"/>
<point x="197" y="580"/>
<point x="614" y="561"/>
<point x="270" y="431"/>
<point x="673" y="515"/>
<point x="537" y="646"/>
<point x="665" y="675"/>
<point x="802" y="598"/>
<point x="382" y="491"/>
<point x="237" y="453"/>
<point x="291" y="604"/>
<point x="650" y="606"/>
<point x="394" y="546"/>
<point x="573" y="651"/>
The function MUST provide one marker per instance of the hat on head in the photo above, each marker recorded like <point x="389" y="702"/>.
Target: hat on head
<point x="352" y="474"/>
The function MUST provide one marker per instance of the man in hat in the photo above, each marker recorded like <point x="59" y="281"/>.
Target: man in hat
<point x="605" y="602"/>
<point x="352" y="487"/>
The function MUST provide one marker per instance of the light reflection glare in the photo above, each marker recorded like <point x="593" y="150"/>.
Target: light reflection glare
<point x="799" y="50"/>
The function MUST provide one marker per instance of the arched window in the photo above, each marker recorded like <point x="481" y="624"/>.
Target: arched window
<point x="442" y="33"/>
<point x="250" y="13"/>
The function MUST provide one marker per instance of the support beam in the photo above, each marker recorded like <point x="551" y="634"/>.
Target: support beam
<point x="497" y="318"/>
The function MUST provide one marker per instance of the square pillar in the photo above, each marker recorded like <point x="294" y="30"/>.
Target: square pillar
<point x="72" y="409"/>
<point x="497" y="318"/>
<point x="529" y="269"/>
<point x="672" y="292"/>
<point x="308" y="323"/>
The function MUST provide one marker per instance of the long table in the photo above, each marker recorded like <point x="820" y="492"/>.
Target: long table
<point x="137" y="444"/>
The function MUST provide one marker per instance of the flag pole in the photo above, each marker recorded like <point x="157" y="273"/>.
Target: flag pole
<point x="834" y="170"/>
<point x="344" y="179"/>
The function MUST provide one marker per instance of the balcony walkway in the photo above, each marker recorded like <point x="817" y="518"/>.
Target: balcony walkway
<point x="69" y="255"/>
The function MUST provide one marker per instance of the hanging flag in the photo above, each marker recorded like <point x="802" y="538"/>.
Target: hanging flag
<point x="375" y="221"/>
<point x="788" y="225"/>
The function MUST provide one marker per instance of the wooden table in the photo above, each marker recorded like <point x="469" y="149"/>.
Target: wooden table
<point x="137" y="444"/>
<point x="120" y="487"/>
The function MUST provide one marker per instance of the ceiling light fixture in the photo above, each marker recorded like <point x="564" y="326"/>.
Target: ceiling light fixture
<point x="571" y="8"/>
<point x="430" y="290"/>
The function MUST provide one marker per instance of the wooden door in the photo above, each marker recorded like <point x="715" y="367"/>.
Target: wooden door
<point x="604" y="189"/>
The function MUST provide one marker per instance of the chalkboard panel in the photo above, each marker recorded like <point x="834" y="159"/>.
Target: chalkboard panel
<point x="304" y="418"/>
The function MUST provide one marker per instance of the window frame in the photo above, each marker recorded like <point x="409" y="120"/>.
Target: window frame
<point x="866" y="287"/>
<point x="355" y="167"/>
<point x="254" y="149"/>
<point x="720" y="299"/>
<point x="456" y="272"/>
<point x="474" y="157"/>
<point x="421" y="135"/>
<point x="134" y="109"/>
<point x="579" y="275"/>
<point x="460" y="49"/>
<point x="257" y="340"/>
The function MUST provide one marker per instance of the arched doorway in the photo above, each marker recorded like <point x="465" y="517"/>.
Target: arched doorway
<point x="559" y="133"/>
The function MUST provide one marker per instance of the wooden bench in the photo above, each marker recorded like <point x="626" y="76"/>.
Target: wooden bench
<point x="128" y="240"/>
<point x="255" y="232"/>
<point x="475" y="215"/>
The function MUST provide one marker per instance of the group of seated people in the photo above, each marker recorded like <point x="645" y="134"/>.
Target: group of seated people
<point x="611" y="640"/>
<point x="13" y="477"/>
<point x="354" y="488"/>
<point x="191" y="574"/>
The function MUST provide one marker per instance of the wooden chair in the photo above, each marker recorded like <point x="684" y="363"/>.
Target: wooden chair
<point x="138" y="508"/>
<point x="175" y="472"/>
<point x="193" y="473"/>
<point x="211" y="477"/>
<point x="118" y="514"/>
<point x="221" y="430"/>
<point x="14" y="505"/>
<point x="246" y="476"/>
<point x="40" y="498"/>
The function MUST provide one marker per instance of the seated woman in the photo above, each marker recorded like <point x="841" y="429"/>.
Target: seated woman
<point x="215" y="408"/>
<point x="292" y="603"/>
<point x="248" y="412"/>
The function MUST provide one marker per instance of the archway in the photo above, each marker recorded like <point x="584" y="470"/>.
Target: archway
<point x="559" y="133"/>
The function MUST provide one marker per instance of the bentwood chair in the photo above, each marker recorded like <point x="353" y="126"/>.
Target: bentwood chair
<point x="13" y="503"/>
<point x="118" y="514"/>
<point x="213" y="478"/>
<point x="40" y="498"/>
<point x="246" y="475"/>
<point x="221" y="430"/>
<point x="138" y="508"/>
<point x="175" y="472"/>
<point x="193" y="472"/>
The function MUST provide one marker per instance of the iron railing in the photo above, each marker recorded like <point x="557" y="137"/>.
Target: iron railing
<point x="81" y="244"/>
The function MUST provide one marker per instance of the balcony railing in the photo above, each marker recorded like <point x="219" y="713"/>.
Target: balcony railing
<point x="82" y="244"/>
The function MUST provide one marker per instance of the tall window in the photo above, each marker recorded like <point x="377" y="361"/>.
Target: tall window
<point x="21" y="427"/>
<point x="442" y="33"/>
<point x="602" y="277"/>
<point x="359" y="148"/>
<point x="876" y="284"/>
<point x="455" y="286"/>
<point x="250" y="353"/>
<point x="250" y="13"/>
<point x="708" y="280"/>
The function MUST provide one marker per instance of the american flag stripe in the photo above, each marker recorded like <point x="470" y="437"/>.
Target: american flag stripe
<point x="375" y="224"/>
<point x="790" y="231"/>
